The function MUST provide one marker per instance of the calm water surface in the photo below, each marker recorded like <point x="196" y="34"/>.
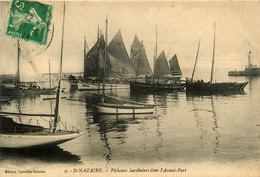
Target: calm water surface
<point x="184" y="129"/>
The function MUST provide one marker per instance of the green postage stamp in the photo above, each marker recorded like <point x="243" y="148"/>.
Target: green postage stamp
<point x="29" y="20"/>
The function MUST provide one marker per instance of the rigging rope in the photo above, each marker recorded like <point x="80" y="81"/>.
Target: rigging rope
<point x="30" y="61"/>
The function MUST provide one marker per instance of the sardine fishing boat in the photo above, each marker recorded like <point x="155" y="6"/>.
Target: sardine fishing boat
<point x="118" y="65"/>
<point x="201" y="86"/>
<point x="111" y="108"/>
<point x="18" y="135"/>
<point x="164" y="78"/>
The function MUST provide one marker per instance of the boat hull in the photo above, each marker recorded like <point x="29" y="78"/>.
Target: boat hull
<point x="15" y="135"/>
<point x="99" y="86"/>
<point x="214" y="87"/>
<point x="30" y="140"/>
<point x="155" y="87"/>
<point x="106" y="108"/>
<point x="21" y="92"/>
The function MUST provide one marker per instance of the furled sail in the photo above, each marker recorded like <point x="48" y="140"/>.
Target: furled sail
<point x="117" y="49"/>
<point x="174" y="66"/>
<point x="139" y="58"/>
<point x="94" y="60"/>
<point x="161" y="66"/>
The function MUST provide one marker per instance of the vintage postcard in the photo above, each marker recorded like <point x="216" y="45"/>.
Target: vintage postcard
<point x="129" y="88"/>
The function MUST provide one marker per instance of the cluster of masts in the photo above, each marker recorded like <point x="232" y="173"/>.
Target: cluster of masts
<point x="119" y="64"/>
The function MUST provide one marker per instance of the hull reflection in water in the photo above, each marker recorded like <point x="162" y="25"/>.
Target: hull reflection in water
<point x="114" y="128"/>
<point x="50" y="155"/>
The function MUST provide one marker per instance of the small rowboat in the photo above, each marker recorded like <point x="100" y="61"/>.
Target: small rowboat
<point x="109" y="108"/>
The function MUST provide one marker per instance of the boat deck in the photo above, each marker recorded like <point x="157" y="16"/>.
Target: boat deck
<point x="45" y="131"/>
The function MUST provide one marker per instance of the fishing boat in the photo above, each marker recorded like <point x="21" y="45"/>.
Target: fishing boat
<point x="139" y="60"/>
<point x="15" y="86"/>
<point x="125" y="108"/>
<point x="175" y="68"/>
<point x="164" y="78"/>
<point x="18" y="135"/>
<point x="201" y="86"/>
<point x="118" y="65"/>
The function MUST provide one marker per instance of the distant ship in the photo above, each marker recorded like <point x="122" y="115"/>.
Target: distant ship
<point x="250" y="69"/>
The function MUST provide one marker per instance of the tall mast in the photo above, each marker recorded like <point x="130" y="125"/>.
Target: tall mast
<point x="57" y="115"/>
<point x="85" y="51"/>
<point x="18" y="61"/>
<point x="98" y="49"/>
<point x="155" y="55"/>
<point x="104" y="69"/>
<point x="195" y="61"/>
<point x="213" y="57"/>
<point x="50" y="73"/>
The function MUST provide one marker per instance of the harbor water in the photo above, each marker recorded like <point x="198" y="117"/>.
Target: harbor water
<point x="185" y="129"/>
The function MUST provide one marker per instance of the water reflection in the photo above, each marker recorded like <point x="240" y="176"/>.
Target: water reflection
<point x="49" y="155"/>
<point x="252" y="83"/>
<point x="107" y="124"/>
<point x="201" y="114"/>
<point x="219" y="93"/>
<point x="215" y="127"/>
<point x="198" y="119"/>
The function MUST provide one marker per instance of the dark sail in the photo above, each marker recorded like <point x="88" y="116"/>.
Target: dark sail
<point x="94" y="60"/>
<point x="139" y="58"/>
<point x="174" y="66"/>
<point x="117" y="70"/>
<point x="136" y="47"/>
<point x="117" y="49"/>
<point x="161" y="66"/>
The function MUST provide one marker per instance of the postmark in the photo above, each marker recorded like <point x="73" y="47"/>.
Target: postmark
<point x="29" y="20"/>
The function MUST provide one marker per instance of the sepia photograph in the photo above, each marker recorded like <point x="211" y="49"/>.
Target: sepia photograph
<point x="129" y="88"/>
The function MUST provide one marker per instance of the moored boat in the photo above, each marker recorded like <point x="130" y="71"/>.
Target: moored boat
<point x="155" y="87"/>
<point x="109" y="108"/>
<point x="20" y="135"/>
<point x="15" y="135"/>
<point x="16" y="87"/>
<point x="164" y="78"/>
<point x="201" y="86"/>
<point x="118" y="65"/>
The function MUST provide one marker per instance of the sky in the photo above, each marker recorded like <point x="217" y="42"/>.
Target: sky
<point x="180" y="26"/>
